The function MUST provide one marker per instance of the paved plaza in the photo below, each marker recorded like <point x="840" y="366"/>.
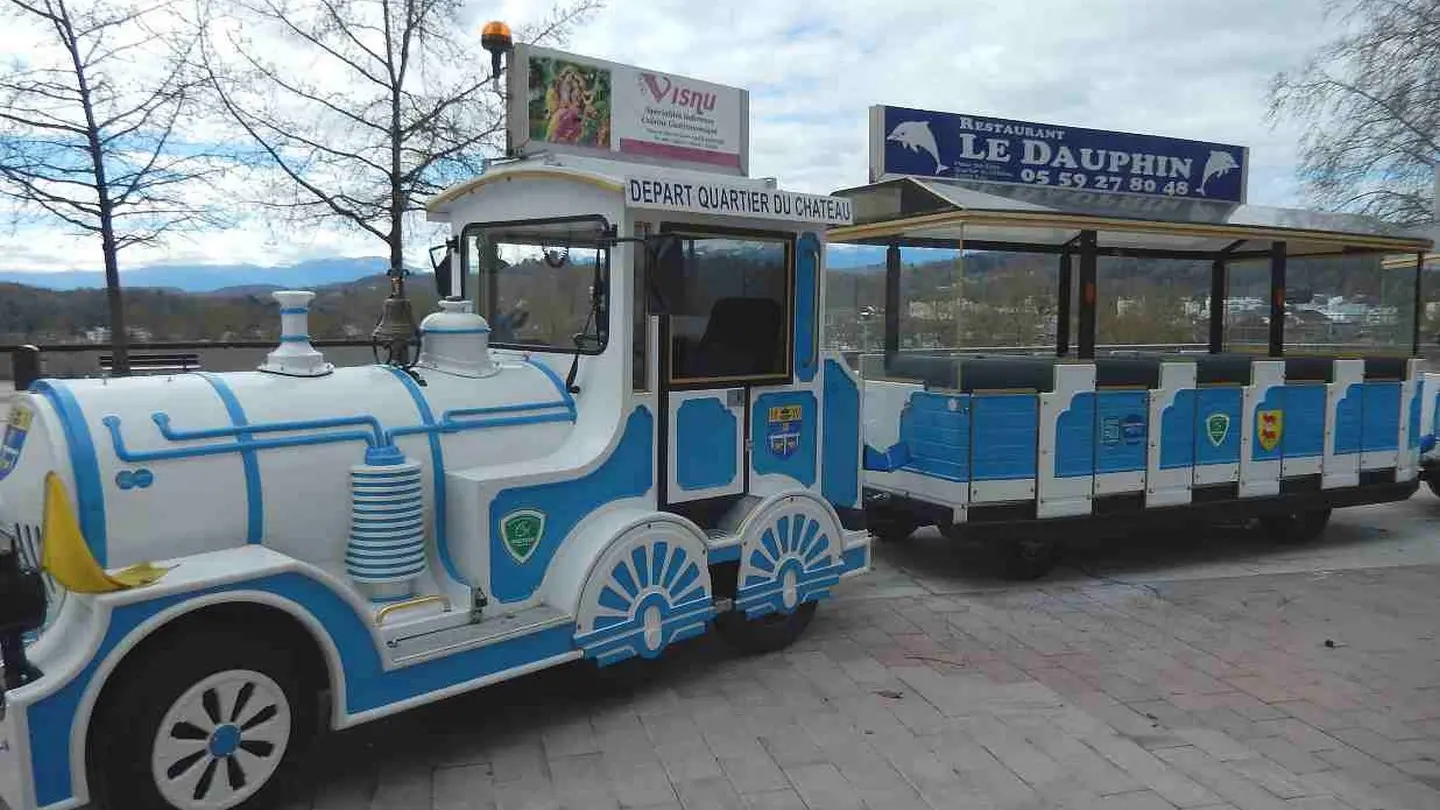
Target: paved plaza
<point x="1150" y="674"/>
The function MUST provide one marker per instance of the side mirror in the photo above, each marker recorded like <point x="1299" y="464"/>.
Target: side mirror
<point x="667" y="263"/>
<point x="444" y="277"/>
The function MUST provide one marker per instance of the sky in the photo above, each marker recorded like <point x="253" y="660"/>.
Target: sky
<point x="1180" y="68"/>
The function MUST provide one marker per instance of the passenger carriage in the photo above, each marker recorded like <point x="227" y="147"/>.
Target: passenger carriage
<point x="1023" y="451"/>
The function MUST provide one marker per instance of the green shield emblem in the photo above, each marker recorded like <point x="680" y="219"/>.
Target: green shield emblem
<point x="521" y="531"/>
<point x="1217" y="427"/>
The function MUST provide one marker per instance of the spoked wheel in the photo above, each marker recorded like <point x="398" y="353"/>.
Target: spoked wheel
<point x="1296" y="527"/>
<point x="768" y="633"/>
<point x="209" y="727"/>
<point x="1025" y="558"/>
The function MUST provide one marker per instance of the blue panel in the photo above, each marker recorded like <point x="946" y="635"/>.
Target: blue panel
<point x="856" y="558"/>
<point x="889" y="460"/>
<point x="629" y="472"/>
<point x="254" y="494"/>
<point x="1304" y="434"/>
<point x="1121" y="426"/>
<point x="1217" y="425"/>
<point x="89" y="495"/>
<point x="783" y="435"/>
<point x="1005" y="428"/>
<point x="1075" y="438"/>
<point x="935" y="432"/>
<point x="840" y="451"/>
<point x="1177" y="431"/>
<point x="806" y="291"/>
<point x="1382" y="417"/>
<point x="1348" y="421"/>
<point x="706" y="436"/>
<point x="367" y="684"/>
<point x="1270" y="426"/>
<point x="729" y="553"/>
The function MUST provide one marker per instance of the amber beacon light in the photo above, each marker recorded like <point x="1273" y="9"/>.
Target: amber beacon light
<point x="495" y="38"/>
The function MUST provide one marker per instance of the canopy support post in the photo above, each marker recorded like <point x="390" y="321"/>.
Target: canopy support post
<point x="1219" y="294"/>
<point x="1219" y="281"/>
<point x="1277" y="299"/>
<point x="892" y="301"/>
<point x="1062" y="309"/>
<point x="1419" y="304"/>
<point x="1088" y="244"/>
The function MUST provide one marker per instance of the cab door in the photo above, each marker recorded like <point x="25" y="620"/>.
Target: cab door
<point x="726" y="330"/>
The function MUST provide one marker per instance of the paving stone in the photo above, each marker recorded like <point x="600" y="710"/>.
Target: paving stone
<point x="709" y="793"/>
<point x="775" y="800"/>
<point x="464" y="787"/>
<point x="1225" y="782"/>
<point x="1177" y="788"/>
<point x="641" y="785"/>
<point x="823" y="788"/>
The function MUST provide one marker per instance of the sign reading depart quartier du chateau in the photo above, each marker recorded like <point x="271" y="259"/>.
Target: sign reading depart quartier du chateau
<point x="995" y="150"/>
<point x="734" y="199"/>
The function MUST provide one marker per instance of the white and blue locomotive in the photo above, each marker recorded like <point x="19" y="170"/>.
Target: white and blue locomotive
<point x="237" y="560"/>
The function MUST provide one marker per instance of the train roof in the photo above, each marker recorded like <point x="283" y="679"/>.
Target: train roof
<point x="940" y="213"/>
<point x="606" y="174"/>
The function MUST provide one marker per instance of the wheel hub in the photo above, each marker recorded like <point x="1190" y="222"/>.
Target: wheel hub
<point x="789" y="589"/>
<point x="652" y="622"/>
<point x="224" y="740"/>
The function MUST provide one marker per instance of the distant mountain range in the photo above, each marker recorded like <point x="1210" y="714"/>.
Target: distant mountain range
<point x="251" y="279"/>
<point x="236" y="279"/>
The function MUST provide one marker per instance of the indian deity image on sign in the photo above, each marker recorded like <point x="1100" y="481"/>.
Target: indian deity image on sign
<point x="569" y="103"/>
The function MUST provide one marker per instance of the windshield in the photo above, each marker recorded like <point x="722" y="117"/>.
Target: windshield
<point x="542" y="285"/>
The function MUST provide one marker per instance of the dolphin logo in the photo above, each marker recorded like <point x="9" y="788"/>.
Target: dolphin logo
<point x="916" y="136"/>
<point x="1219" y="163"/>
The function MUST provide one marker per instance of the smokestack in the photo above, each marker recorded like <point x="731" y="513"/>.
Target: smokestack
<point x="295" y="357"/>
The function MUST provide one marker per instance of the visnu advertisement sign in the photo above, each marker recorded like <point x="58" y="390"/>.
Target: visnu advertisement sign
<point x="560" y="102"/>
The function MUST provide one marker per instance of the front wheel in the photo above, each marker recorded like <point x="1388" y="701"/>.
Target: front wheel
<point x="1434" y="483"/>
<point x="768" y="633"/>
<point x="1297" y="527"/>
<point x="212" y="722"/>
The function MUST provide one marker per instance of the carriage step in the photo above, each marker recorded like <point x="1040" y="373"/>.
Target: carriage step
<point x="420" y="644"/>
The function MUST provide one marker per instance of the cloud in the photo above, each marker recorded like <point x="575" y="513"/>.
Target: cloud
<point x="1169" y="67"/>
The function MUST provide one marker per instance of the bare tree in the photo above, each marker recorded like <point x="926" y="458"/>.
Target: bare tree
<point x="365" y="107"/>
<point x="89" y="131"/>
<point x="1372" y="98"/>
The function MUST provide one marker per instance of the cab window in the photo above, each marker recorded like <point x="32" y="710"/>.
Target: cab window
<point x="727" y="295"/>
<point x="542" y="285"/>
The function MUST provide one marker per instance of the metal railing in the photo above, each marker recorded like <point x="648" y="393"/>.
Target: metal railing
<point x="30" y="361"/>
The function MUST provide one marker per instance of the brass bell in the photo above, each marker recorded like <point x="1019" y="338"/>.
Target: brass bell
<point x="397" y="322"/>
